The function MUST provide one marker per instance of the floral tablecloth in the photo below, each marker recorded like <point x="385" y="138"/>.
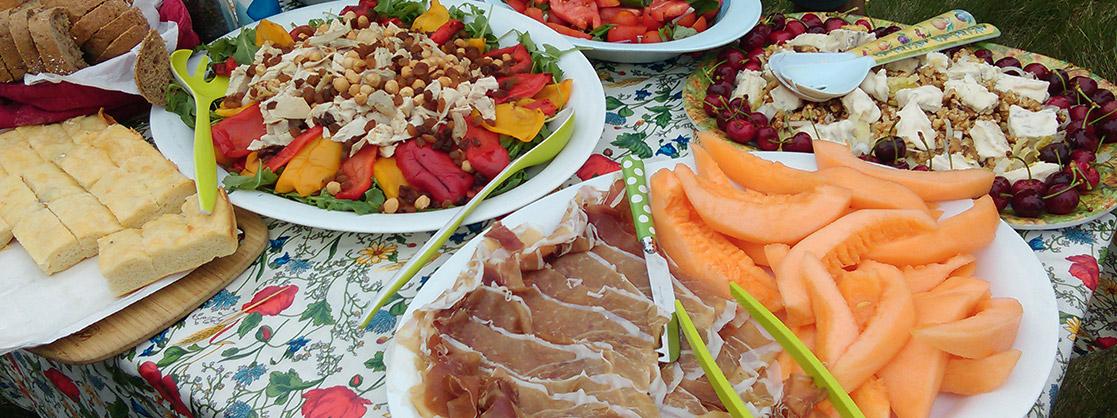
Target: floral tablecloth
<point x="301" y="353"/>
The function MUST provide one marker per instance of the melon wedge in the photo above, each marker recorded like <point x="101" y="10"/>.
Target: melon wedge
<point x="700" y="253"/>
<point x="861" y="291"/>
<point x="954" y="299"/>
<point x="871" y="192"/>
<point x="834" y="324"/>
<point x="926" y="277"/>
<point x="971" y="377"/>
<point x="753" y="250"/>
<point x="887" y="332"/>
<point x="840" y="244"/>
<point x="964" y="233"/>
<point x="765" y="218"/>
<point x="932" y="186"/>
<point x="788" y="366"/>
<point x="775" y="253"/>
<point x="872" y="399"/>
<point x="991" y="330"/>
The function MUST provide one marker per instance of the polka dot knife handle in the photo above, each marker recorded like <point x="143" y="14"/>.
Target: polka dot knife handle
<point x="636" y="188"/>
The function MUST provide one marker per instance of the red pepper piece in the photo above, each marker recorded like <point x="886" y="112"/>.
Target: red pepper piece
<point x="665" y="10"/>
<point x="521" y="58"/>
<point x="581" y="14"/>
<point x="232" y="135"/>
<point x="517" y="5"/>
<point x="433" y="172"/>
<point x="544" y="105"/>
<point x="447" y="31"/>
<point x="520" y="86"/>
<point x="622" y="33"/>
<point x="364" y="7"/>
<point x="483" y="151"/>
<point x="571" y="32"/>
<point x="287" y="153"/>
<point x="355" y="174"/>
<point x="597" y="165"/>
<point x="225" y="68"/>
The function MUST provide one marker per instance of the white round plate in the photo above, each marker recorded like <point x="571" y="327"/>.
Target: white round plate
<point x="175" y="140"/>
<point x="1009" y="265"/>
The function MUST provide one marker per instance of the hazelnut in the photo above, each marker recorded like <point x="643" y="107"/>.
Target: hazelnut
<point x="362" y="21"/>
<point x="366" y="89"/>
<point x="341" y="84"/>
<point x="352" y="54"/>
<point x="315" y="55"/>
<point x="498" y="62"/>
<point x="372" y="79"/>
<point x="466" y="166"/>
<point x="391" y="205"/>
<point x="444" y="81"/>
<point x="406" y="92"/>
<point x="354" y="89"/>
<point x="391" y="87"/>
<point x="352" y="76"/>
<point x="422" y="202"/>
<point x="361" y="98"/>
<point x="333" y="187"/>
<point x="405" y="71"/>
<point x="419" y="84"/>
<point x="348" y="62"/>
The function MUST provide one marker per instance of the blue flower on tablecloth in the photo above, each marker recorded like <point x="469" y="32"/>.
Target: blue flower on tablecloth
<point x="1037" y="244"/>
<point x="238" y="409"/>
<point x="139" y="409"/>
<point x="96" y="382"/>
<point x="682" y="140"/>
<point x="642" y="94"/>
<point x="277" y="244"/>
<point x="296" y="344"/>
<point x="247" y="374"/>
<point x="222" y="300"/>
<point x="613" y="118"/>
<point x="281" y="261"/>
<point x="382" y="322"/>
<point x="668" y="150"/>
<point x="1078" y="235"/>
<point x="298" y="265"/>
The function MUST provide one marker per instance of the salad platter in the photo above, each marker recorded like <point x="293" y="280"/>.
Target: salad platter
<point x="309" y="107"/>
<point x="1006" y="263"/>
<point x="1039" y="123"/>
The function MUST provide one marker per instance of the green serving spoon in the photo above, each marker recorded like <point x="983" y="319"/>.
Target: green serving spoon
<point x="204" y="92"/>
<point x="545" y="151"/>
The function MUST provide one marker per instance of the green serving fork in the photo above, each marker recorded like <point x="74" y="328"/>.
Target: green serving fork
<point x="728" y="396"/>
<point x="545" y="151"/>
<point x="204" y="92"/>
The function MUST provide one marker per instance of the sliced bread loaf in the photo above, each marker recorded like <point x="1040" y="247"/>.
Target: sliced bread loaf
<point x="5" y="76"/>
<point x="85" y="27"/>
<point x="153" y="69"/>
<point x="11" y="4"/>
<point x="75" y="8"/>
<point x="24" y="43"/>
<point x="51" y="30"/>
<point x="124" y="43"/>
<point x="8" y="52"/>
<point x="99" y="42"/>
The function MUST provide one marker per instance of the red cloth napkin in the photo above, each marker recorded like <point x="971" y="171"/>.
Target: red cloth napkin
<point x="54" y="102"/>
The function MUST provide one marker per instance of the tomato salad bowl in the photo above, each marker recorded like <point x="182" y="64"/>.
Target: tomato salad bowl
<point x="383" y="116"/>
<point x="642" y="31"/>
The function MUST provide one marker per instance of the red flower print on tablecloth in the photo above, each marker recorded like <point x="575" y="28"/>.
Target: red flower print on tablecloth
<point x="333" y="402"/>
<point x="166" y="386"/>
<point x="276" y="304"/>
<point x="1105" y="342"/>
<point x="63" y="383"/>
<point x="1085" y="268"/>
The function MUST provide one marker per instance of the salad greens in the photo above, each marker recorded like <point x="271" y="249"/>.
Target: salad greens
<point x="599" y="32"/>
<point x="242" y="48"/>
<point x="181" y="103"/>
<point x="264" y="177"/>
<point x="476" y="22"/>
<point x="405" y="10"/>
<point x="373" y="200"/>
<point x="545" y="59"/>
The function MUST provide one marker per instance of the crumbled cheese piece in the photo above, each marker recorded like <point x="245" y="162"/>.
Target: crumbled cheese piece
<point x="287" y="106"/>
<point x="860" y="107"/>
<point x="935" y="60"/>
<point x="1023" y="87"/>
<point x="915" y="128"/>
<point x="979" y="70"/>
<point x="844" y="39"/>
<point x="784" y="99"/>
<point x="854" y="133"/>
<point x="276" y="134"/>
<point x="750" y="84"/>
<point x="876" y="85"/>
<point x="815" y="40"/>
<point x="955" y="161"/>
<point x="1023" y="123"/>
<point x="903" y="66"/>
<point x="973" y="95"/>
<point x="928" y="97"/>
<point x="1039" y="170"/>
<point x="989" y="140"/>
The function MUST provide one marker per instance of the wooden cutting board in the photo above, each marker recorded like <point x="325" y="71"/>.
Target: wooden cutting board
<point x="142" y="320"/>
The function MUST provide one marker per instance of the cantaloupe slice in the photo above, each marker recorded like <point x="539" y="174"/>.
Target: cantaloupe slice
<point x="888" y="331"/>
<point x="841" y="244"/>
<point x="762" y="219"/>
<point x="701" y="253"/>
<point x="954" y="299"/>
<point x="788" y="366"/>
<point x="767" y="176"/>
<point x="753" y="250"/>
<point x="932" y="186"/>
<point x="971" y="377"/>
<point x="861" y="291"/>
<point x="926" y="277"/>
<point x="834" y="324"/>
<point x="872" y="399"/>
<point x="775" y="253"/>
<point x="992" y="330"/>
<point x="964" y="233"/>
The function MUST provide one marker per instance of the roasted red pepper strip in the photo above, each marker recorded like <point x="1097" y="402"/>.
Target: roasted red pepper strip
<point x="581" y="14"/>
<point x="225" y="68"/>
<point x="287" y="153"/>
<point x="568" y="31"/>
<point x="432" y="171"/>
<point x="483" y="151"/>
<point x="232" y="135"/>
<point x="544" y="105"/>
<point x="355" y="174"/>
<point x="521" y="58"/>
<point x="447" y="31"/>
<point x="597" y="165"/>
<point x="364" y="7"/>
<point x="520" y="86"/>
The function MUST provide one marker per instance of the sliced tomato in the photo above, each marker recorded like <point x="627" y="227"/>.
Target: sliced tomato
<point x="700" y="24"/>
<point x="517" y="5"/>
<point x="483" y="151"/>
<point x="624" y="17"/>
<point x="568" y="31"/>
<point x="625" y="33"/>
<point x="288" y="152"/>
<point x="232" y="135"/>
<point x="521" y="58"/>
<point x="651" y="37"/>
<point x="650" y="23"/>
<point x="535" y="13"/>
<point x="608" y="3"/>
<point x="687" y="20"/>
<point x="607" y="14"/>
<point x="581" y="14"/>
<point x="355" y="174"/>
<point x="544" y="105"/>
<point x="664" y="10"/>
<point x="520" y="86"/>
<point x="597" y="165"/>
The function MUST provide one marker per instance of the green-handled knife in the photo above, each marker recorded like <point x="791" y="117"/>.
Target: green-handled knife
<point x="659" y="275"/>
<point x="204" y="92"/>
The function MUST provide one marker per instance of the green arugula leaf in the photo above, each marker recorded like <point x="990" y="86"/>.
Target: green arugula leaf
<point x="666" y="32"/>
<point x="512" y="182"/>
<point x="476" y="22"/>
<point x="242" y="48"/>
<point x="371" y="203"/>
<point x="702" y="7"/>
<point x="599" y="32"/>
<point x="405" y="10"/>
<point x="263" y="177"/>
<point x="545" y="59"/>
<point x="181" y="103"/>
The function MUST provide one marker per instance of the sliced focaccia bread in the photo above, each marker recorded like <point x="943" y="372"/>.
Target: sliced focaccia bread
<point x="92" y="21"/>
<point x="123" y="261"/>
<point x="5" y="234"/>
<point x="79" y="125"/>
<point x="49" y="243"/>
<point x="25" y="44"/>
<point x="16" y="200"/>
<point x="123" y="43"/>
<point x="128" y="200"/>
<point x="86" y="219"/>
<point x="50" y="28"/>
<point x="9" y="54"/>
<point x="100" y="41"/>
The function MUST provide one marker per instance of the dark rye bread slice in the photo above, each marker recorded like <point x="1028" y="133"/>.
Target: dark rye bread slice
<point x="99" y="42"/>
<point x="124" y="43"/>
<point x="24" y="43"/>
<point x="89" y="24"/>
<point x="8" y="52"/>
<point x="75" y="8"/>
<point x="153" y="69"/>
<point x="51" y="30"/>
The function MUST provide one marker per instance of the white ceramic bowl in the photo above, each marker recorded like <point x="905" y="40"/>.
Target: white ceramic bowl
<point x="734" y="20"/>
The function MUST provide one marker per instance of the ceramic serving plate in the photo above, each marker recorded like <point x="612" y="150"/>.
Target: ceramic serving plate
<point x="1008" y="264"/>
<point x="175" y="140"/>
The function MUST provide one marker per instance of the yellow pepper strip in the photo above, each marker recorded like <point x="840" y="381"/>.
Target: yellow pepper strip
<point x="388" y="176"/>
<point x="476" y="43"/>
<point x="558" y="93"/>
<point x="228" y="113"/>
<point x="252" y="163"/>
<point x="517" y="122"/>
<point x="432" y="19"/>
<point x="267" y="31"/>
<point x="312" y="167"/>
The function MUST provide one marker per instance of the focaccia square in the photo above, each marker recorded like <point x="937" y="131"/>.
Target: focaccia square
<point x="121" y="144"/>
<point x="86" y="219"/>
<point x="5" y="234"/>
<point x="49" y="243"/>
<point x="17" y="157"/>
<point x="50" y="183"/>
<point x="81" y="124"/>
<point x="16" y="200"/>
<point x="168" y="187"/>
<point x="124" y="262"/>
<point x="126" y="198"/>
<point x="50" y="141"/>
<point x="86" y="164"/>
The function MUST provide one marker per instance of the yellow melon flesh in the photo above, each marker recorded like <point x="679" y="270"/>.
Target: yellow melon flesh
<point x="971" y="377"/>
<point x="840" y="244"/>
<point x="926" y="277"/>
<point x="836" y="328"/>
<point x="887" y="332"/>
<point x="932" y="186"/>
<point x="991" y="330"/>
<point x="955" y="298"/>
<point x="964" y="233"/>
<point x="861" y="291"/>
<point x="872" y="399"/>
<point x="701" y="253"/>
<point x="731" y="212"/>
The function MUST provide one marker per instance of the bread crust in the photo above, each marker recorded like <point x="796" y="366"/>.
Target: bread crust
<point x="8" y="51"/>
<point x="99" y="42"/>
<point x="124" y="43"/>
<point x="85" y="27"/>
<point x="50" y="28"/>
<point x="21" y="34"/>
<point x="153" y="69"/>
